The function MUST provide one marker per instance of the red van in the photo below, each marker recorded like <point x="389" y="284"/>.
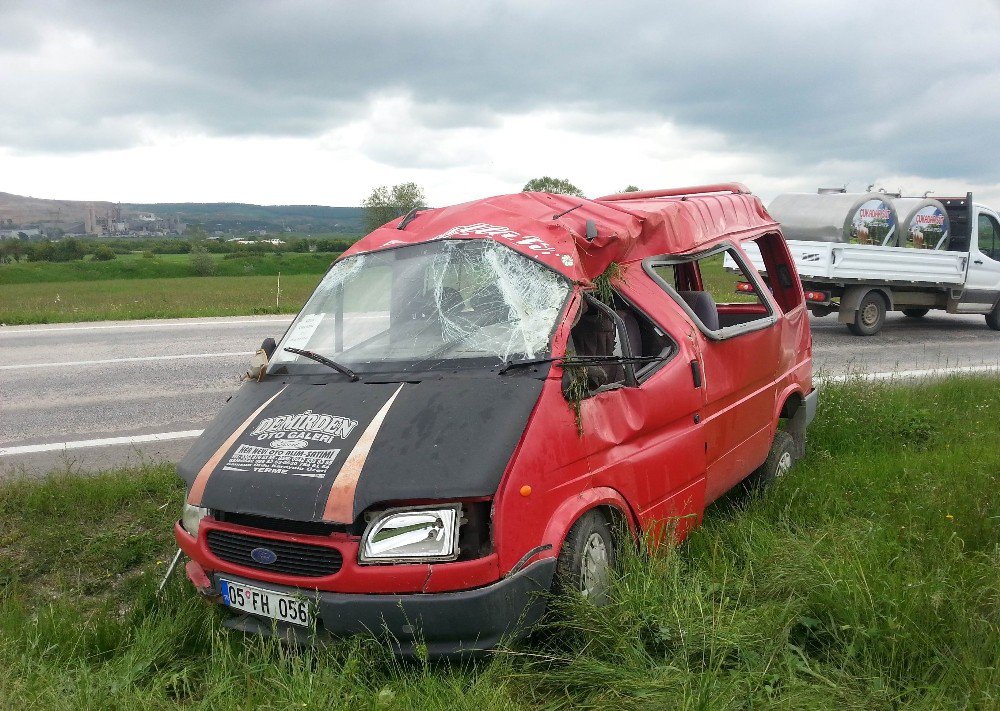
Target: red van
<point x="477" y="399"/>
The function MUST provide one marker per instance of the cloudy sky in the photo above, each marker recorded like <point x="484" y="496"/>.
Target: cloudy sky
<point x="317" y="102"/>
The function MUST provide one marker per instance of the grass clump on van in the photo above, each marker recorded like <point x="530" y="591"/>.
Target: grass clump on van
<point x="868" y="578"/>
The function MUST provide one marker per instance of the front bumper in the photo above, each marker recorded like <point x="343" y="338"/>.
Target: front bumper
<point x="443" y="623"/>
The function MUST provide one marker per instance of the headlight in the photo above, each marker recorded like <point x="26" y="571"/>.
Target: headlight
<point x="410" y="535"/>
<point x="191" y="518"/>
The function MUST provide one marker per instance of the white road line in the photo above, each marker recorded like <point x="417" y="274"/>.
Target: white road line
<point x="909" y="374"/>
<point x="15" y="331"/>
<point x="107" y="442"/>
<point x="67" y="364"/>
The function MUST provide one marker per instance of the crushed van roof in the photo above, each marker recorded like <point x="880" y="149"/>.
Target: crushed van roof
<point x="554" y="228"/>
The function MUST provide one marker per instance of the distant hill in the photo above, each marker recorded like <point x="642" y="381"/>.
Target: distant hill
<point x="243" y="216"/>
<point x="21" y="210"/>
<point x="69" y="214"/>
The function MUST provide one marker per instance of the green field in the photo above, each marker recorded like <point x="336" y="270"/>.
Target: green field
<point x="162" y="266"/>
<point x="120" y="299"/>
<point x="868" y="578"/>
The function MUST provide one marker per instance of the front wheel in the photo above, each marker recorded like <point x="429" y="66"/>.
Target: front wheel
<point x="586" y="559"/>
<point x="870" y="315"/>
<point x="915" y="313"/>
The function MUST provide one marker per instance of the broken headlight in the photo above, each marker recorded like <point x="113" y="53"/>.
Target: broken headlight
<point x="191" y="518"/>
<point x="412" y="535"/>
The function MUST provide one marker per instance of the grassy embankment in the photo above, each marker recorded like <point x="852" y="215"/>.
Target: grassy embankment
<point x="869" y="578"/>
<point x="164" y="286"/>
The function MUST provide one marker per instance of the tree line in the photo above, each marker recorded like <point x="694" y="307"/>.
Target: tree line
<point x="69" y="249"/>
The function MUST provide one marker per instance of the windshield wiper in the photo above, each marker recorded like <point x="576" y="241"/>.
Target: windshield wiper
<point x="527" y="361"/>
<point x="325" y="361"/>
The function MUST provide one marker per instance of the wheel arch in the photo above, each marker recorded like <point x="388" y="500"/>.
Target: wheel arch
<point x="789" y="402"/>
<point x="853" y="295"/>
<point x="609" y="501"/>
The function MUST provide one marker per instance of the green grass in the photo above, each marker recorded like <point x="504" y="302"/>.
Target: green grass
<point x="161" y="266"/>
<point x="869" y="578"/>
<point x="120" y="299"/>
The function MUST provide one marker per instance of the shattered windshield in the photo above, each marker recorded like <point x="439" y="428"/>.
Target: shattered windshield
<point x="417" y="306"/>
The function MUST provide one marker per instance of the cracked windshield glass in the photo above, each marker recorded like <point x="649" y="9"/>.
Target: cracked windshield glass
<point x="415" y="307"/>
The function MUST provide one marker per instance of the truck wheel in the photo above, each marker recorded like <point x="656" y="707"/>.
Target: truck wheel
<point x="870" y="316"/>
<point x="993" y="318"/>
<point x="586" y="559"/>
<point x="779" y="462"/>
<point x="915" y="313"/>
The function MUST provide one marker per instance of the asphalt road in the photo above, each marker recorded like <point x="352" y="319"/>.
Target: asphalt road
<point x="66" y="389"/>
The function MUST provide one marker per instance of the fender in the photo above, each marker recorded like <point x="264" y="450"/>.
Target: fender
<point x="790" y="390"/>
<point x="569" y="511"/>
<point x="854" y="294"/>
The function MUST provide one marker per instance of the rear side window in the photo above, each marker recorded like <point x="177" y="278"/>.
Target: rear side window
<point x="770" y="256"/>
<point x="717" y="288"/>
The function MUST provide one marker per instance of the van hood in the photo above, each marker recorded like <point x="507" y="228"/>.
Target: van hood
<point x="315" y="450"/>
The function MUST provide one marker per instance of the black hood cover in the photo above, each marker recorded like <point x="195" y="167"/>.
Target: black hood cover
<point x="438" y="439"/>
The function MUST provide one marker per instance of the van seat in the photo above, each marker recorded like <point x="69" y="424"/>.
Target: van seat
<point x="703" y="305"/>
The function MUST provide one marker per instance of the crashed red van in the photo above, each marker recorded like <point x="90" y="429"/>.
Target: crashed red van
<point x="477" y="400"/>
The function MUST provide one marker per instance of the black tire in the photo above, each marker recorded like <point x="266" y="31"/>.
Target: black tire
<point x="870" y="316"/>
<point x="586" y="559"/>
<point x="779" y="460"/>
<point x="915" y="313"/>
<point x="993" y="318"/>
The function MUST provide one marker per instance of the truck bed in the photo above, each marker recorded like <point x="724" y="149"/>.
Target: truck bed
<point x="837" y="262"/>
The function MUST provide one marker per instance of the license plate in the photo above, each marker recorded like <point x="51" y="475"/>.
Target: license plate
<point x="259" y="601"/>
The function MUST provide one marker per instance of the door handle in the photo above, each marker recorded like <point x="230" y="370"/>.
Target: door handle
<point x="696" y="373"/>
<point x="978" y="261"/>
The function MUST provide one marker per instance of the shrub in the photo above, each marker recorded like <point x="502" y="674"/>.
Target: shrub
<point x="103" y="253"/>
<point x="202" y="263"/>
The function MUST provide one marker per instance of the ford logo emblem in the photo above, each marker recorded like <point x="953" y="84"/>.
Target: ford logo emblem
<point x="264" y="556"/>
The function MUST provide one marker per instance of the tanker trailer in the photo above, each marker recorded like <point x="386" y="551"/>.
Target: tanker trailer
<point x="836" y="216"/>
<point x="923" y="223"/>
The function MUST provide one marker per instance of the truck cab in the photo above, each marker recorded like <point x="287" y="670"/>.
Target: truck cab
<point x="481" y="404"/>
<point x="976" y="230"/>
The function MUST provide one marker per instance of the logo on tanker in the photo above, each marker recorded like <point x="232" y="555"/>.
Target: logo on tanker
<point x="930" y="216"/>
<point x="873" y="223"/>
<point x="296" y="430"/>
<point x="535" y="244"/>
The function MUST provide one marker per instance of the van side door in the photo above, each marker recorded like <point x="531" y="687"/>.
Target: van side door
<point x="641" y="423"/>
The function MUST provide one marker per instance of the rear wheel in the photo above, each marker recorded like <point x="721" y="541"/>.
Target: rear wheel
<point x="915" y="313"/>
<point x="779" y="462"/>
<point x="993" y="318"/>
<point x="586" y="559"/>
<point x="870" y="315"/>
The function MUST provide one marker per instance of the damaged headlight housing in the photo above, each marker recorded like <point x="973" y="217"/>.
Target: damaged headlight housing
<point x="191" y="518"/>
<point x="410" y="535"/>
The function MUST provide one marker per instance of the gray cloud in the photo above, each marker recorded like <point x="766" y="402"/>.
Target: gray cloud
<point x="906" y="89"/>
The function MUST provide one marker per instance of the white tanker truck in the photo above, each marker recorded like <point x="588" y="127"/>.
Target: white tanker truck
<point x="864" y="254"/>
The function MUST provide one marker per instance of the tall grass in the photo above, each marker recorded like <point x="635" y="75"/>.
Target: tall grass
<point x="868" y="578"/>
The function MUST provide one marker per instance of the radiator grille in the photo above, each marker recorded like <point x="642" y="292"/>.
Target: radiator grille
<point x="300" y="559"/>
